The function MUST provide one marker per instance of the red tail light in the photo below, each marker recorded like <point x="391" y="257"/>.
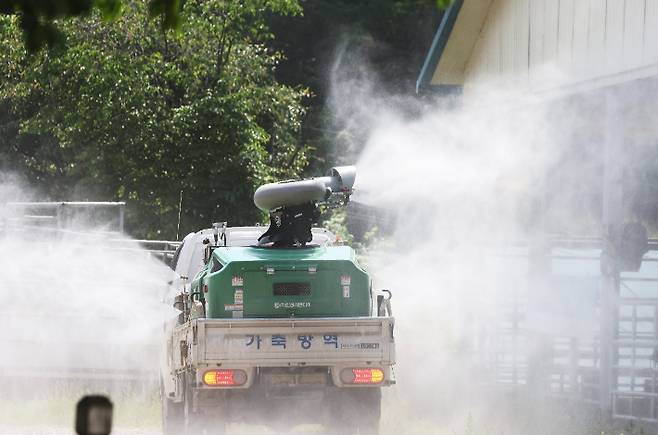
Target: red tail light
<point x="224" y="378"/>
<point x="362" y="376"/>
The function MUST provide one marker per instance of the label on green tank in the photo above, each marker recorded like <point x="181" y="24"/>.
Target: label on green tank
<point x="237" y="307"/>
<point x="278" y="305"/>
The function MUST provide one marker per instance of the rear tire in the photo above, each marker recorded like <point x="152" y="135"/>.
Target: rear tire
<point x="369" y="402"/>
<point x="172" y="414"/>
<point x="192" y="421"/>
<point x="203" y="420"/>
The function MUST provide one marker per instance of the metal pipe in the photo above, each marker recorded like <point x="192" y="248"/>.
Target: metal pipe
<point x="122" y="213"/>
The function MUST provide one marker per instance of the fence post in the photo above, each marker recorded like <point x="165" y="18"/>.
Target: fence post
<point x="122" y="213"/>
<point x="612" y="218"/>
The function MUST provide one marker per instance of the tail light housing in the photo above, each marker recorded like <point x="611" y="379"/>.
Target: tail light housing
<point x="224" y="378"/>
<point x="362" y="376"/>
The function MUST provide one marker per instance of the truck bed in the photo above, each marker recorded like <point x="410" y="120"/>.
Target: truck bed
<point x="249" y="344"/>
<point x="236" y="341"/>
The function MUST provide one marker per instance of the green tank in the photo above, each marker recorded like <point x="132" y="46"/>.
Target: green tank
<point x="310" y="281"/>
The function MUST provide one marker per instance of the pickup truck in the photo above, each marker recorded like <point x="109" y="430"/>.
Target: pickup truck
<point x="280" y="333"/>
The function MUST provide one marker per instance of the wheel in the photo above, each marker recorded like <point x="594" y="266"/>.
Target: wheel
<point x="193" y="423"/>
<point x="172" y="414"/>
<point x="202" y="420"/>
<point x="352" y="411"/>
<point x="368" y="402"/>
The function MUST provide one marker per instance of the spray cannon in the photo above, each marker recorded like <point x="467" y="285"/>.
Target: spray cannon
<point x="294" y="206"/>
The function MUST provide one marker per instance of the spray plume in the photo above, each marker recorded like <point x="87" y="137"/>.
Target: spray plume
<point x="82" y="313"/>
<point x="468" y="177"/>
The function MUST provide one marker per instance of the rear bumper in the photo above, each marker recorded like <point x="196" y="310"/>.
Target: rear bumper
<point x="296" y="380"/>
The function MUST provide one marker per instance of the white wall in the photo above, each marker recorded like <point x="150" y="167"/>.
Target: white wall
<point x="582" y="39"/>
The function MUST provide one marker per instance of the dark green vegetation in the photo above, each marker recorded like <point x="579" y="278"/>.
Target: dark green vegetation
<point x="379" y="42"/>
<point x="36" y="17"/>
<point x="126" y="110"/>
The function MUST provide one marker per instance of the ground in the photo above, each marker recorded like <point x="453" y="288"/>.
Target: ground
<point x="507" y="415"/>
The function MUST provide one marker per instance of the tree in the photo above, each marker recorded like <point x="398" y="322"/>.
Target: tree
<point x="126" y="111"/>
<point x="36" y="17"/>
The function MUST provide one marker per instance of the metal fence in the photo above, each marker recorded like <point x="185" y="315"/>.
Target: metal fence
<point x="515" y="354"/>
<point x="60" y="215"/>
<point x="60" y="345"/>
<point x="75" y="218"/>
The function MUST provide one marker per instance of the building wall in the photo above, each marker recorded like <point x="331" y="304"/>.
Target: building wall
<point x="546" y="41"/>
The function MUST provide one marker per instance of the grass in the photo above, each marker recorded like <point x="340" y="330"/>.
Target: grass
<point x="500" y="415"/>
<point x="57" y="408"/>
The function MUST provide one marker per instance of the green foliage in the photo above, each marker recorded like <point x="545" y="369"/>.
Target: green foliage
<point x="127" y="111"/>
<point x="37" y="18"/>
<point x="336" y="222"/>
